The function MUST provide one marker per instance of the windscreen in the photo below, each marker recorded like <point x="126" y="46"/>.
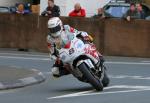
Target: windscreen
<point x="4" y="10"/>
<point x="117" y="11"/>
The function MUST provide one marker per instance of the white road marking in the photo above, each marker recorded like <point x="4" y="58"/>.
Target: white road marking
<point x="92" y="94"/>
<point x="145" y="61"/>
<point x="129" y="77"/>
<point x="3" y="92"/>
<point x="127" y="63"/>
<point x="23" y="54"/>
<point x="25" y="58"/>
<point x="7" y="91"/>
<point x="89" y="93"/>
<point x="48" y="59"/>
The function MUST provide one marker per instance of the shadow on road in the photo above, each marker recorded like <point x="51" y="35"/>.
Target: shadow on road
<point x="76" y="89"/>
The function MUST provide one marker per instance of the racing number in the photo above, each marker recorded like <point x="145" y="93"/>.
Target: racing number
<point x="71" y="51"/>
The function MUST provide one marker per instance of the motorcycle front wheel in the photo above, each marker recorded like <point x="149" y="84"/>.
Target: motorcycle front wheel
<point x="91" y="78"/>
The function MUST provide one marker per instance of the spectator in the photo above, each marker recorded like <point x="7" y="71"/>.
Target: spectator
<point x="100" y="13"/>
<point x="140" y="11"/>
<point x="52" y="10"/>
<point x="131" y="13"/>
<point x="20" y="9"/>
<point x="27" y="8"/>
<point x="78" y="11"/>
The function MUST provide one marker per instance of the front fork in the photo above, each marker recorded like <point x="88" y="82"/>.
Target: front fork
<point x="100" y="68"/>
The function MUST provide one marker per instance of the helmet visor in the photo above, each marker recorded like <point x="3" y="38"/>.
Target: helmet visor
<point x="55" y="29"/>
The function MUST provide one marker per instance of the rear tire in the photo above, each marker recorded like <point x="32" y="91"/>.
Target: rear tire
<point x="105" y="79"/>
<point x="95" y="82"/>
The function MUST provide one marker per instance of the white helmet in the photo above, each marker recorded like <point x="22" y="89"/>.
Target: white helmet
<point x="55" y="26"/>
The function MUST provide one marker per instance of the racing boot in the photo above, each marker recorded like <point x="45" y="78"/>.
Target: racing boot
<point x="59" y="70"/>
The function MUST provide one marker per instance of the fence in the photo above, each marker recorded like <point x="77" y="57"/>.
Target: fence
<point x="112" y="36"/>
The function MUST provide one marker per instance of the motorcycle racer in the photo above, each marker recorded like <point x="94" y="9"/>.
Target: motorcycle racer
<point x="60" y="36"/>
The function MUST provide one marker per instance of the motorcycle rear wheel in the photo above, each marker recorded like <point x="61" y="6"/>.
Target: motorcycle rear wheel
<point x="105" y="79"/>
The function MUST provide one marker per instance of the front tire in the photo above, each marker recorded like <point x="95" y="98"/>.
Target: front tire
<point x="95" y="82"/>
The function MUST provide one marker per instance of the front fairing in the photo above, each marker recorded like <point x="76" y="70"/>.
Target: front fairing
<point x="67" y="55"/>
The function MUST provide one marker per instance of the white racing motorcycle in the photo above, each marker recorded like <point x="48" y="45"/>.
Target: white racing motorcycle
<point x="83" y="61"/>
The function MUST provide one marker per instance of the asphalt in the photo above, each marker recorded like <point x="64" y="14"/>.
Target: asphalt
<point x="130" y="82"/>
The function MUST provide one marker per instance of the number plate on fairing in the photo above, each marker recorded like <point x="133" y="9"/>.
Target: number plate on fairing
<point x="76" y="49"/>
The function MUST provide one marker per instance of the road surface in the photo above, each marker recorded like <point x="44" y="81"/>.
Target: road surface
<point x="130" y="82"/>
